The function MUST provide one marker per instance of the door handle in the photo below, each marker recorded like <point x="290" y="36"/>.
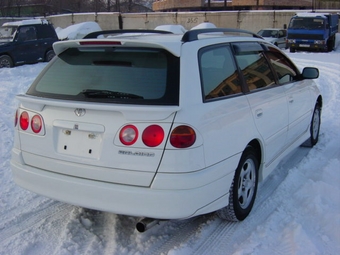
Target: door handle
<point x="290" y="99"/>
<point x="259" y="113"/>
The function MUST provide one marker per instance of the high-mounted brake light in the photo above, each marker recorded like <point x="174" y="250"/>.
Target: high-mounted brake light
<point x="153" y="136"/>
<point x="100" y="43"/>
<point x="24" y="120"/>
<point x="182" y="137"/>
<point x="128" y="135"/>
<point x="36" y="124"/>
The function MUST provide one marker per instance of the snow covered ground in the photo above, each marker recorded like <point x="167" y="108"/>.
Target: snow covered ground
<point x="297" y="210"/>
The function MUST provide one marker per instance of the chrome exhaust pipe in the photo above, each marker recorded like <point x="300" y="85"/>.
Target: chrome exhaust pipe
<point x="145" y="224"/>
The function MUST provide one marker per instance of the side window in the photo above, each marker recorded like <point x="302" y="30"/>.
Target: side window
<point x="46" y="31"/>
<point x="28" y="33"/>
<point x="281" y="34"/>
<point x="255" y="70"/>
<point x="285" y="70"/>
<point x="219" y="76"/>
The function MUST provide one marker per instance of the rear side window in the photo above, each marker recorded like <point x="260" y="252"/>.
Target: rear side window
<point x="255" y="70"/>
<point x="115" y="75"/>
<point x="219" y="76"/>
<point x="46" y="31"/>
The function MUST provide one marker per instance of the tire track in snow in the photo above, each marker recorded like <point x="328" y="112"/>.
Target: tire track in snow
<point x="55" y="210"/>
<point x="182" y="234"/>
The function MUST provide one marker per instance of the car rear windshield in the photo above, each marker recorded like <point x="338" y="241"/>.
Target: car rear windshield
<point x="111" y="75"/>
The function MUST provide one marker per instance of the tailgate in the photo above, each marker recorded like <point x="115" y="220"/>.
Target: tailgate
<point x="82" y="139"/>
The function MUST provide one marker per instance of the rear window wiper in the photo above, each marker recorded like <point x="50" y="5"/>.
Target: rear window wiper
<point x="97" y="93"/>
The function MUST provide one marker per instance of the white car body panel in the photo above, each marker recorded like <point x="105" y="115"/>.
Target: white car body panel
<point x="266" y="106"/>
<point x="78" y="157"/>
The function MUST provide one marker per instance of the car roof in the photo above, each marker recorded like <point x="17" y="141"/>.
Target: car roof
<point x="156" y="39"/>
<point x="26" y="22"/>
<point x="311" y="14"/>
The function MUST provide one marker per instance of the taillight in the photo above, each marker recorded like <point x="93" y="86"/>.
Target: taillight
<point x="153" y="136"/>
<point x="128" y="135"/>
<point x="36" y="124"/>
<point x="24" y="120"/>
<point x="16" y="118"/>
<point x="28" y="123"/>
<point x="182" y="137"/>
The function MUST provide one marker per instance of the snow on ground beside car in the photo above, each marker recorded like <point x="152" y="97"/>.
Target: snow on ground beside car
<point x="297" y="210"/>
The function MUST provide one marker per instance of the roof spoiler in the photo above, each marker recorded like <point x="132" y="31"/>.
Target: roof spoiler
<point x="192" y="35"/>
<point x="94" y="35"/>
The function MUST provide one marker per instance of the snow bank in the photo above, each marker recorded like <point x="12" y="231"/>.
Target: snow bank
<point x="77" y="31"/>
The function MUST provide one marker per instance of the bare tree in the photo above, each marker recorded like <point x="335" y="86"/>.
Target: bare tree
<point x="49" y="7"/>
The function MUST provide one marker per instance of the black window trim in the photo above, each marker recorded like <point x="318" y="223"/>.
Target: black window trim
<point x="209" y="47"/>
<point x="264" y="47"/>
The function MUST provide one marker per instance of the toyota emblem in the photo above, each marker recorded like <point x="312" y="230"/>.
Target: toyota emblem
<point x="80" y="112"/>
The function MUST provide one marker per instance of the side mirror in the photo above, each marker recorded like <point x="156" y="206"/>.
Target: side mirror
<point x="310" y="73"/>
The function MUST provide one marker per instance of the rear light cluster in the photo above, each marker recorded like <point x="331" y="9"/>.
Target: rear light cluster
<point x="29" y="121"/>
<point x="153" y="135"/>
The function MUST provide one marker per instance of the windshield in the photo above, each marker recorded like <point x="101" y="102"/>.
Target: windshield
<point x="7" y="33"/>
<point x="111" y="75"/>
<point x="307" y="23"/>
<point x="268" y="33"/>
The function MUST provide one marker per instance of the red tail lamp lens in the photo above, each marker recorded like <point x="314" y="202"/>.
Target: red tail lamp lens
<point x="182" y="137"/>
<point x="153" y="136"/>
<point x="128" y="135"/>
<point x="24" y="120"/>
<point x="36" y="124"/>
<point x="100" y="43"/>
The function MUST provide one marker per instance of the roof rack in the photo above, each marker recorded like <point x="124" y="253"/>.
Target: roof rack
<point x="192" y="35"/>
<point x="125" y="31"/>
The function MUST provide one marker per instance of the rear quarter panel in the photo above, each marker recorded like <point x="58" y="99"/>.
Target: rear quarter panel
<point x="226" y="126"/>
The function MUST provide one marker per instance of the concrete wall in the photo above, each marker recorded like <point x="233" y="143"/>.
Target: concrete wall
<point x="248" y="20"/>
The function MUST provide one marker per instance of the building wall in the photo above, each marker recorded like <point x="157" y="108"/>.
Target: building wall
<point x="170" y="5"/>
<point x="176" y="4"/>
<point x="248" y="20"/>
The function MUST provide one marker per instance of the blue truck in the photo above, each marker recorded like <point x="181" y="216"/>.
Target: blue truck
<point x="312" y="31"/>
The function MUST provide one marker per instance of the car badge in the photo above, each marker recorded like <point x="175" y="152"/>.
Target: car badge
<point x="80" y="112"/>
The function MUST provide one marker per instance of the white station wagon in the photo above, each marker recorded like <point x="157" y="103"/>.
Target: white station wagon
<point x="160" y="125"/>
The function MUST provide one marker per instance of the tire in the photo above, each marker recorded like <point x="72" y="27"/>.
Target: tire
<point x="292" y="50"/>
<point x="243" y="189"/>
<point x="314" y="127"/>
<point x="49" y="55"/>
<point x="330" y="44"/>
<point x="6" y="61"/>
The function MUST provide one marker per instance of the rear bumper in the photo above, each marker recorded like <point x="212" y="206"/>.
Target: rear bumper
<point x="162" y="200"/>
<point x="306" y="46"/>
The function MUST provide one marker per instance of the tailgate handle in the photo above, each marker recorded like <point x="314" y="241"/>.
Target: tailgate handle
<point x="81" y="126"/>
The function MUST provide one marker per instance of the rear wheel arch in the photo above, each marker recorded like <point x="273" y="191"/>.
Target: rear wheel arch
<point x="243" y="189"/>
<point x="319" y="101"/>
<point x="256" y="145"/>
